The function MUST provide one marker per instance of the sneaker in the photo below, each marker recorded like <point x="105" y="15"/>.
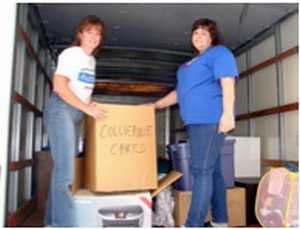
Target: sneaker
<point x="213" y="224"/>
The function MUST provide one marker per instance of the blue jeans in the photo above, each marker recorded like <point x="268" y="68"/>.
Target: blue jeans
<point x="208" y="183"/>
<point x="62" y="122"/>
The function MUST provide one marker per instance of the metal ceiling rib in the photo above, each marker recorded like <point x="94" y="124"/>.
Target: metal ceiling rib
<point x="147" y="42"/>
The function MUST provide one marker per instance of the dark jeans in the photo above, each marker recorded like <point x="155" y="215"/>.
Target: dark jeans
<point x="208" y="182"/>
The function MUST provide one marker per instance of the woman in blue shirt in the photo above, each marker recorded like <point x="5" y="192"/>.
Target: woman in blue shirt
<point x="205" y="93"/>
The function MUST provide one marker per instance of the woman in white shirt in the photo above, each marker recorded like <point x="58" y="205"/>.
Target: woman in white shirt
<point x="73" y="84"/>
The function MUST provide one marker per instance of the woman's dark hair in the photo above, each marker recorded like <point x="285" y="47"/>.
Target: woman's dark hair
<point x="89" y="21"/>
<point x="210" y="26"/>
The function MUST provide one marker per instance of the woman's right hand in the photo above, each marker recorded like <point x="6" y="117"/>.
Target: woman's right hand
<point x="166" y="101"/>
<point x="94" y="110"/>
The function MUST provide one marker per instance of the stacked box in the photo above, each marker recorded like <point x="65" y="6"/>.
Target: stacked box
<point x="114" y="209"/>
<point x="113" y="180"/>
<point x="236" y="207"/>
<point x="121" y="150"/>
<point x="250" y="185"/>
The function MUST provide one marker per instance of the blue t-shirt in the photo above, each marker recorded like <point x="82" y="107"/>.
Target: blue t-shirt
<point x="199" y="91"/>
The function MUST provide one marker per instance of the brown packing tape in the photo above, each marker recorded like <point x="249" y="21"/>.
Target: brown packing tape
<point x="166" y="181"/>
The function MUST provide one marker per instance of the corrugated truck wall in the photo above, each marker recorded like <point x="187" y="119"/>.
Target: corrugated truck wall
<point x="267" y="93"/>
<point x="31" y="86"/>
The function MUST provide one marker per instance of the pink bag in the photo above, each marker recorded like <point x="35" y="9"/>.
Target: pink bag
<point x="277" y="199"/>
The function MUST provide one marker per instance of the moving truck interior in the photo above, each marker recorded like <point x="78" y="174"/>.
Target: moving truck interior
<point x="144" y="45"/>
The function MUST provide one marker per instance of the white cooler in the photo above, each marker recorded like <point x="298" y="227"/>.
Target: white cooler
<point x="113" y="210"/>
<point x="247" y="158"/>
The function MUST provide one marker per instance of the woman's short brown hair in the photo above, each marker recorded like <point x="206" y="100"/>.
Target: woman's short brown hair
<point x="89" y="21"/>
<point x="210" y="26"/>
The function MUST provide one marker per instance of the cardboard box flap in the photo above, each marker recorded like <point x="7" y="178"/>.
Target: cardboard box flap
<point x="166" y="181"/>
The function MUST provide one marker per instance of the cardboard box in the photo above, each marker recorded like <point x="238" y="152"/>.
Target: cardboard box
<point x="78" y="174"/>
<point x="78" y="180"/>
<point x="121" y="150"/>
<point x="236" y="207"/>
<point x="182" y="206"/>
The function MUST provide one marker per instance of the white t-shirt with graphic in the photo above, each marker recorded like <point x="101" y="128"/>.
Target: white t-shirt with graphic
<point x="79" y="67"/>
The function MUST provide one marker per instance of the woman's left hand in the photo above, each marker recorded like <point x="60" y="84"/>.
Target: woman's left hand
<point x="227" y="123"/>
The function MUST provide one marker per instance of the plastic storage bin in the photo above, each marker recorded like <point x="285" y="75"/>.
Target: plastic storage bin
<point x="227" y="162"/>
<point x="180" y="157"/>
